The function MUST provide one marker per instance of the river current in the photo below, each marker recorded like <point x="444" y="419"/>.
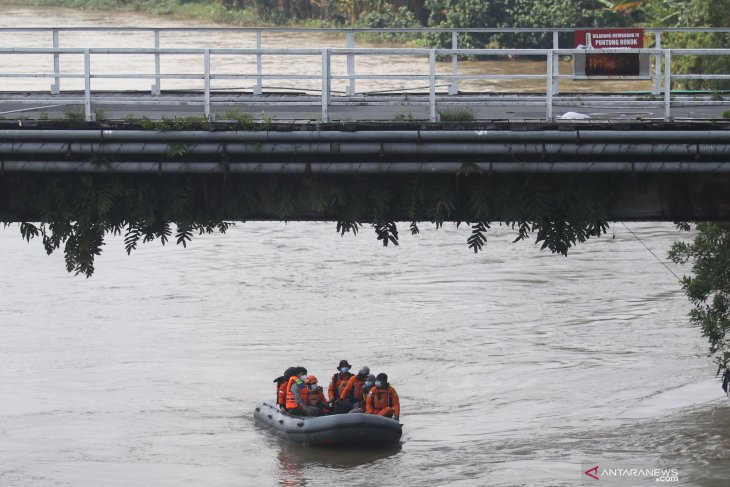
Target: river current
<point x="514" y="366"/>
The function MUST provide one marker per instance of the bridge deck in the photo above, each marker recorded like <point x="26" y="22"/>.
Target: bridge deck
<point x="383" y="107"/>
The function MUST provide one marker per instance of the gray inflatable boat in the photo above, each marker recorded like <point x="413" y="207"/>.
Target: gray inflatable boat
<point x="367" y="430"/>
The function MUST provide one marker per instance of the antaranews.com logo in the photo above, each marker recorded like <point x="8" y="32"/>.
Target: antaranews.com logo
<point x="627" y="475"/>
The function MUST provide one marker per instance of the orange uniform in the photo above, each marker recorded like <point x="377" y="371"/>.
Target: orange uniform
<point x="337" y="384"/>
<point x="353" y="389"/>
<point x="315" y="397"/>
<point x="383" y="402"/>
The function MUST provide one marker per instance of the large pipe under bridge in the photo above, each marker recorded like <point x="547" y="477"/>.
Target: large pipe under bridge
<point x="658" y="171"/>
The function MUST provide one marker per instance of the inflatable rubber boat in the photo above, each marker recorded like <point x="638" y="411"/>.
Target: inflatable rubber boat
<point x="334" y="430"/>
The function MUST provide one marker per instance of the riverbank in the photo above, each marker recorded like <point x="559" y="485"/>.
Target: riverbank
<point x="210" y="11"/>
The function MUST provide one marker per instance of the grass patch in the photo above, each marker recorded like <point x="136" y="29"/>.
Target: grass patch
<point x="74" y="115"/>
<point x="170" y="124"/>
<point x="403" y="117"/>
<point x="244" y="121"/>
<point x="726" y="114"/>
<point x="458" y="115"/>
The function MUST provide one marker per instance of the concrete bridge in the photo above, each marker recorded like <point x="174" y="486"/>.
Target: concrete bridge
<point x="650" y="171"/>
<point x="658" y="155"/>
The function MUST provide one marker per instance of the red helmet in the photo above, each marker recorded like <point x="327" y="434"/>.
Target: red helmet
<point x="311" y="380"/>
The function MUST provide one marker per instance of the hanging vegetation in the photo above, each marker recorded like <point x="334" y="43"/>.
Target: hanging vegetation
<point x="76" y="212"/>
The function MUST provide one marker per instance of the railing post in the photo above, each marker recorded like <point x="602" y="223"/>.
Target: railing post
<point x="206" y="77"/>
<point x="325" y="84"/>
<point x="156" y="86"/>
<point x="657" y="65"/>
<point x="56" y="86"/>
<point x="454" y="87"/>
<point x="667" y="85"/>
<point x="549" y="88"/>
<point x="433" y="116"/>
<point x="258" y="89"/>
<point x="88" y="116"/>
<point x="350" y="44"/>
<point x="556" y="66"/>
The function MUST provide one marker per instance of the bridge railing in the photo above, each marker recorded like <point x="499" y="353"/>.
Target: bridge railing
<point x="155" y="37"/>
<point x="325" y="76"/>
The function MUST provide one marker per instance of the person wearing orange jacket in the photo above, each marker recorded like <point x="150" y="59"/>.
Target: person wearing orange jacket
<point x="339" y="381"/>
<point x="369" y="383"/>
<point x="296" y="394"/>
<point x="352" y="393"/>
<point x="316" y="401"/>
<point x="281" y="383"/>
<point x="383" y="399"/>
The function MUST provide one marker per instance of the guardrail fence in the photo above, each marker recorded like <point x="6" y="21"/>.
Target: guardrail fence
<point x="662" y="75"/>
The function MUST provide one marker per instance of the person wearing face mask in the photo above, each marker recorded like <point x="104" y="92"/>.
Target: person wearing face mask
<point x="316" y="401"/>
<point x="360" y="405"/>
<point x="296" y="394"/>
<point x="339" y="381"/>
<point x="383" y="399"/>
<point x="350" y="395"/>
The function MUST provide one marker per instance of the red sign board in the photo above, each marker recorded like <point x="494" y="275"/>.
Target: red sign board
<point x="597" y="64"/>
<point x="609" y="39"/>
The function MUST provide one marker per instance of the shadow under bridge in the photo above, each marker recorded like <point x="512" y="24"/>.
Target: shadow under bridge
<point x="385" y="172"/>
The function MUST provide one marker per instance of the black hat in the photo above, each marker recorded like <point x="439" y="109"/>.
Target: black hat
<point x="344" y="363"/>
<point x="382" y="377"/>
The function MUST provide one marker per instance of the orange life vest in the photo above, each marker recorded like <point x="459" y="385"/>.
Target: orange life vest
<point x="281" y="394"/>
<point x="315" y="397"/>
<point x="295" y="381"/>
<point x="382" y="398"/>
<point x="338" y="382"/>
<point x="353" y="389"/>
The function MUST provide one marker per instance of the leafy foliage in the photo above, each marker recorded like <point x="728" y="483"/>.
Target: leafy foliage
<point x="681" y="13"/>
<point x="708" y="288"/>
<point x="75" y="212"/>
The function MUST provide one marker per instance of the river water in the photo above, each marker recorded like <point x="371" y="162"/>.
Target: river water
<point x="514" y="366"/>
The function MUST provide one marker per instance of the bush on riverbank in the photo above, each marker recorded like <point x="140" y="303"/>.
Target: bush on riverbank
<point x="380" y="14"/>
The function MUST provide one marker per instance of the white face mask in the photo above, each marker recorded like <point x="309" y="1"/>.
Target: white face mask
<point x="312" y="387"/>
<point x="303" y="376"/>
<point x="378" y="383"/>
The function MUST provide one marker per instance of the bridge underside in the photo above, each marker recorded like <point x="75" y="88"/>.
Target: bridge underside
<point x="367" y="173"/>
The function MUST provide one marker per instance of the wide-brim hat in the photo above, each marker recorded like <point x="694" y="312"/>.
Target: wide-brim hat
<point x="344" y="363"/>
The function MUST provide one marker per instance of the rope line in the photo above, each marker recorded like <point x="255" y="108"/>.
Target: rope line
<point x="652" y="253"/>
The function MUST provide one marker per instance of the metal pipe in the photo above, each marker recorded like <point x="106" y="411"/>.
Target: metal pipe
<point x="350" y="44"/>
<point x="378" y="151"/>
<point x="360" y="167"/>
<point x="605" y="136"/>
<point x="56" y="86"/>
<point x="454" y="86"/>
<point x="156" y="87"/>
<point x="432" y="86"/>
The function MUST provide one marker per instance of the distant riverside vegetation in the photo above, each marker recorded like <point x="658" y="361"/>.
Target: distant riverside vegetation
<point x="461" y="14"/>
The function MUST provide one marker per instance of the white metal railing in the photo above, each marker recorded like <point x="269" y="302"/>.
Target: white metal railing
<point x="326" y="76"/>
<point x="350" y="42"/>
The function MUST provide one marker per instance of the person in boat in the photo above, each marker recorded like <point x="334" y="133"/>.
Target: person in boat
<point x="296" y="394"/>
<point x="349" y="397"/>
<point x="316" y="401"/>
<point x="281" y="383"/>
<point x="369" y="383"/>
<point x="339" y="381"/>
<point x="383" y="399"/>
